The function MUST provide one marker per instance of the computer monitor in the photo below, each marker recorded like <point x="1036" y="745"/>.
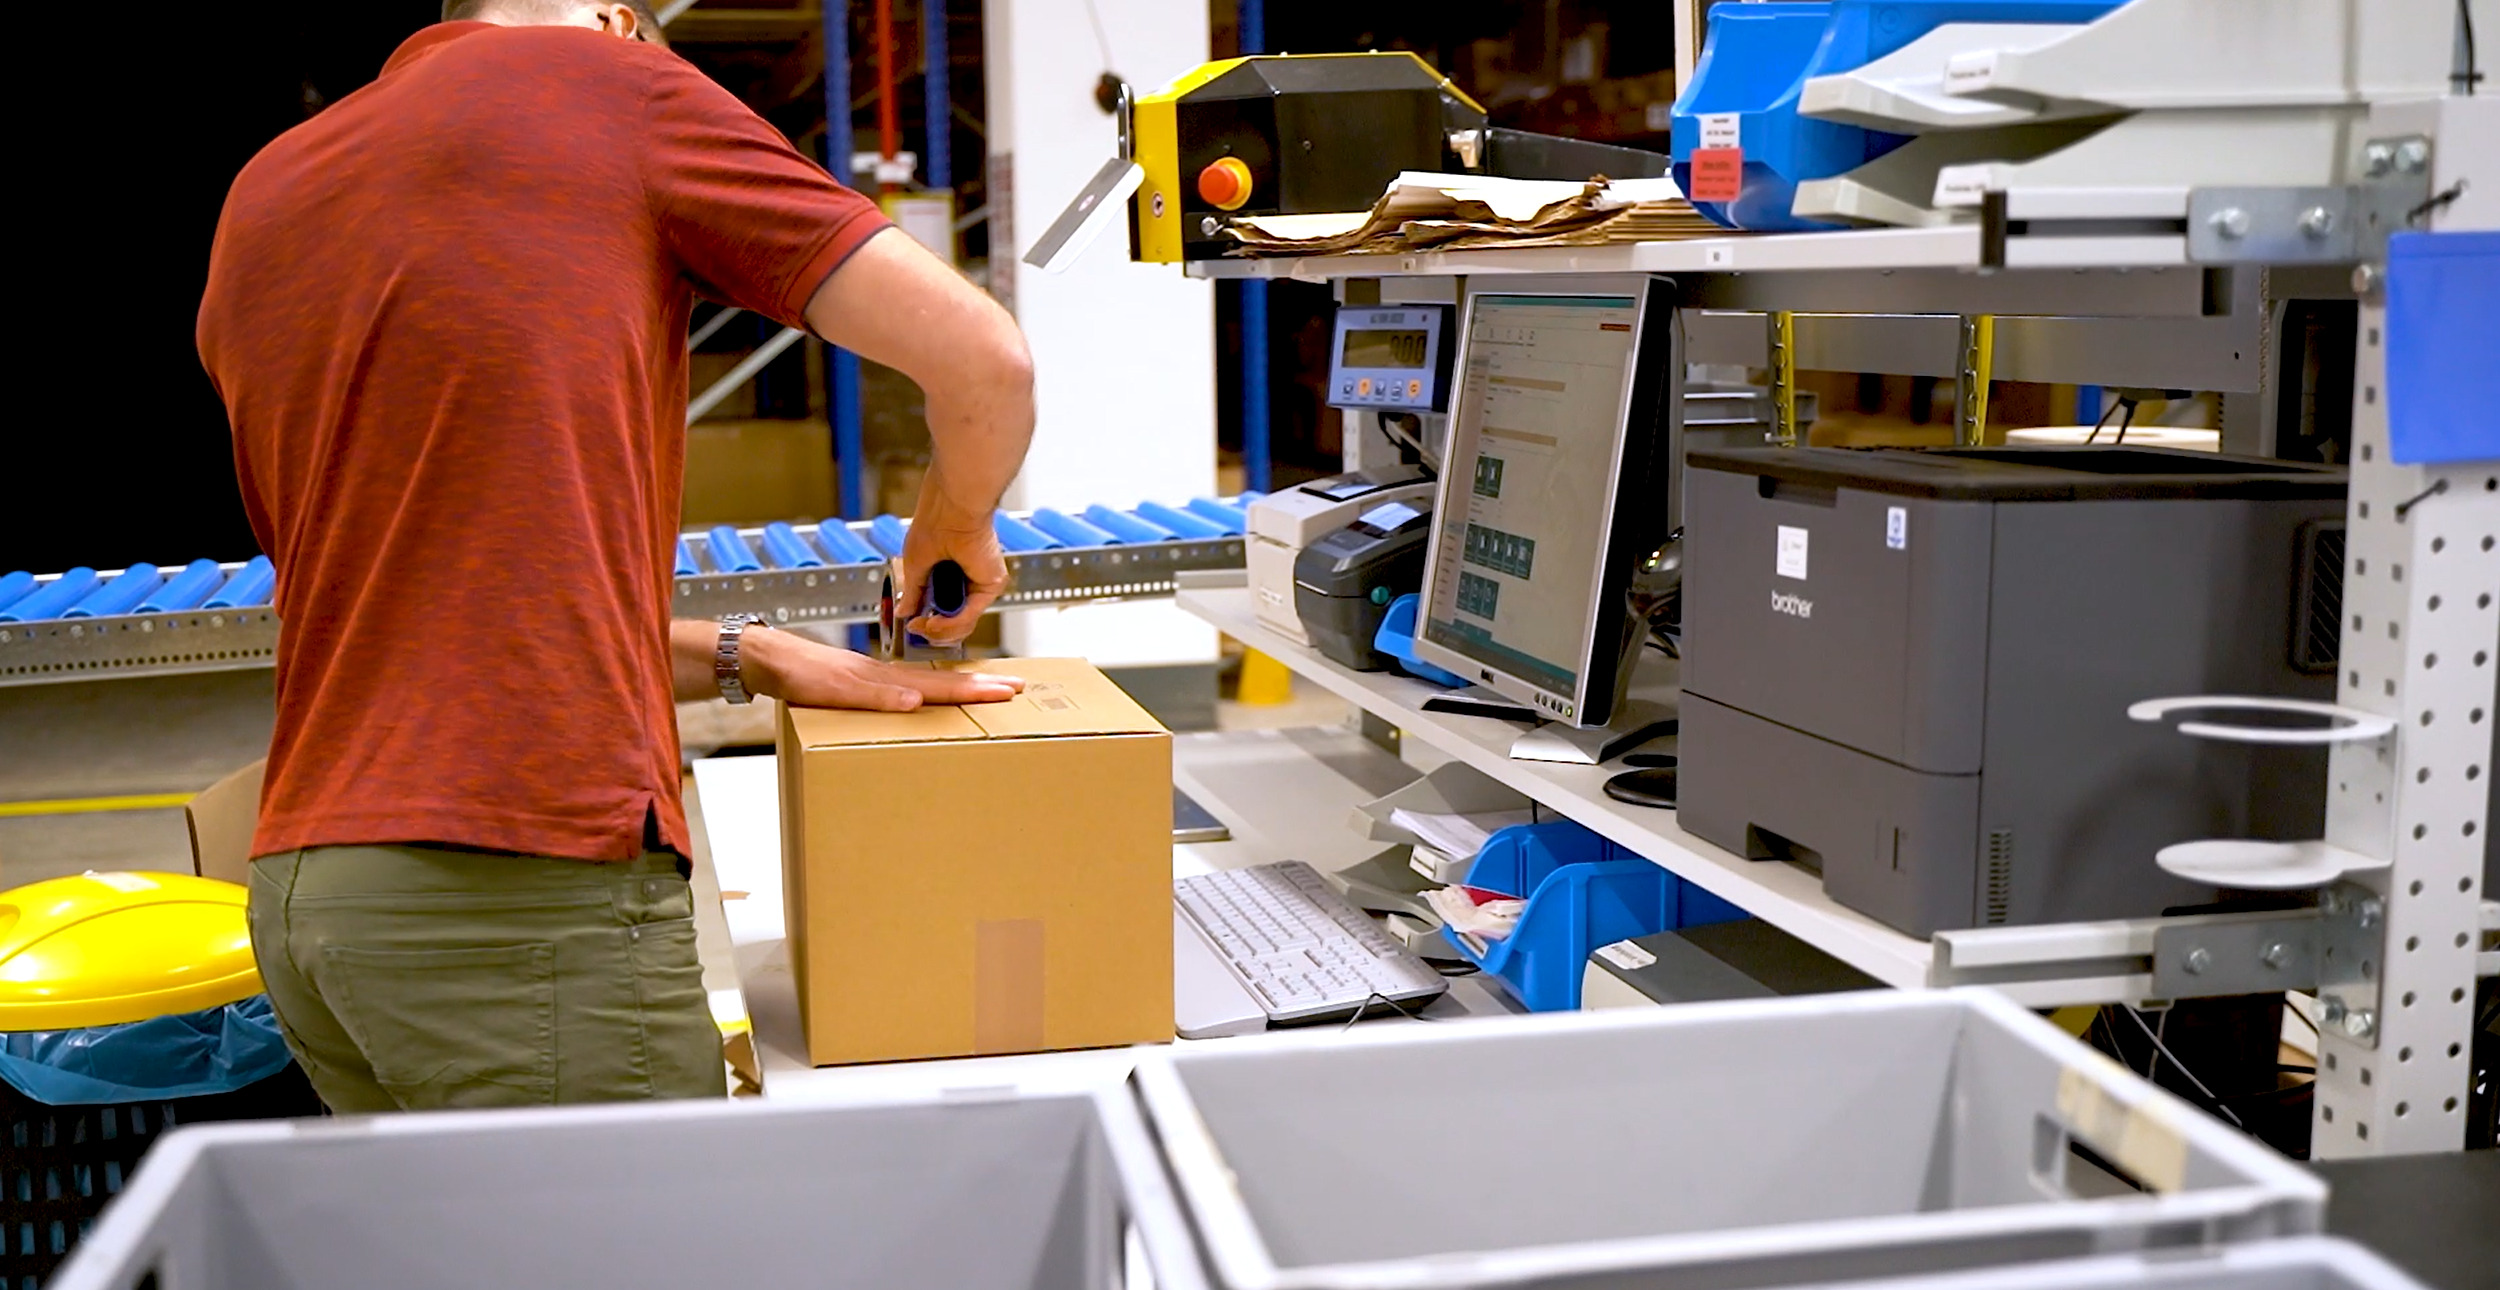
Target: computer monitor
<point x="1560" y="477"/>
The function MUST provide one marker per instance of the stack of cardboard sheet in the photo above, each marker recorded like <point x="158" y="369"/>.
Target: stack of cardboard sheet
<point x="1430" y="212"/>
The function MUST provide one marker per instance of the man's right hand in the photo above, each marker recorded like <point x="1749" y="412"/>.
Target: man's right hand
<point x="942" y="529"/>
<point x="896" y="304"/>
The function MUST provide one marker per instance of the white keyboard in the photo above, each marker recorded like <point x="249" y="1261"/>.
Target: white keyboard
<point x="1302" y="951"/>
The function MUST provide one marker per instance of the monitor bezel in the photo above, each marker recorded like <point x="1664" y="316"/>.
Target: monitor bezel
<point x="1647" y="401"/>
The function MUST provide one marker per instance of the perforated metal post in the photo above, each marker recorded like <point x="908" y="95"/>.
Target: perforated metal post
<point x="2422" y="566"/>
<point x="1974" y="370"/>
<point x="1782" y="341"/>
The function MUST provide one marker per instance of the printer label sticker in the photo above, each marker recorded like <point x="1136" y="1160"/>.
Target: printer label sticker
<point x="1897" y="527"/>
<point x="1720" y="129"/>
<point x="1792" y="557"/>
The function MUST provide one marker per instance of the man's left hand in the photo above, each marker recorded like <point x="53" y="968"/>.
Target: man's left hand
<point x="800" y="671"/>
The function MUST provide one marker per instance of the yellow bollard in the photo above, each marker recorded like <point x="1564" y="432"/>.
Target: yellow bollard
<point x="1265" y="683"/>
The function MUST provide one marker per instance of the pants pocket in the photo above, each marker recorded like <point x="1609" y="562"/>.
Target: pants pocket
<point x="451" y="1028"/>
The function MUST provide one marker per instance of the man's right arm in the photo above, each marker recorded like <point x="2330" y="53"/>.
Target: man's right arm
<point x="894" y="303"/>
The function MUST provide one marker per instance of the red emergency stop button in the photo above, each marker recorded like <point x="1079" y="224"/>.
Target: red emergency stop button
<point x="1225" y="184"/>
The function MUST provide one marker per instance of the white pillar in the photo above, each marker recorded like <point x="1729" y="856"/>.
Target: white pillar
<point x="1124" y="354"/>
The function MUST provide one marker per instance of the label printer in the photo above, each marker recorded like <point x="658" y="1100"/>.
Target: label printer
<point x="1288" y="520"/>
<point x="1909" y="671"/>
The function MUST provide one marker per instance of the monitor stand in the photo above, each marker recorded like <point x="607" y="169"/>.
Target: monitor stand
<point x="1476" y="701"/>
<point x="1635" y="720"/>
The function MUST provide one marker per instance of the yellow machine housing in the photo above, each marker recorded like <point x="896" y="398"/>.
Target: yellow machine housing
<point x="1316" y="133"/>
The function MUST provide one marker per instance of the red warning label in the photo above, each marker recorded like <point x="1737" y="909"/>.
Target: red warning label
<point x="1718" y="174"/>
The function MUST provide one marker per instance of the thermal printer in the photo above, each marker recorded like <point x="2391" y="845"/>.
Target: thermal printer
<point x="1343" y="583"/>
<point x="1289" y="519"/>
<point x="1910" y="669"/>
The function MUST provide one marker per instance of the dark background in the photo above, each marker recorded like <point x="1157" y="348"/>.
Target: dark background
<point x="117" y="451"/>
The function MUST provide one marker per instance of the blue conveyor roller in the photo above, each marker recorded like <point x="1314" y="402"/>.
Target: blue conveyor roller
<point x="1127" y="528"/>
<point x="730" y="552"/>
<point x="1179" y="521"/>
<point x="184" y="589"/>
<point x="845" y="546"/>
<point x="58" y="595"/>
<point x="886" y="533"/>
<point x="251" y="585"/>
<point x="1235" y="520"/>
<point x="1071" y="530"/>
<point x="14" y="587"/>
<point x="788" y="550"/>
<point x="119" y="596"/>
<point x="1017" y="537"/>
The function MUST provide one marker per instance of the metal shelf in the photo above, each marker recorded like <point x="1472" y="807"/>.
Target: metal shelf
<point x="2041" y="966"/>
<point x="1788" y="898"/>
<point x="1959" y="246"/>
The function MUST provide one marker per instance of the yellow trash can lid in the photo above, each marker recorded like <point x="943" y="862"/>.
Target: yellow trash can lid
<point x="105" y="948"/>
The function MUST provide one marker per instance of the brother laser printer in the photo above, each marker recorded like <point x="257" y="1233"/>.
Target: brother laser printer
<point x="1910" y="669"/>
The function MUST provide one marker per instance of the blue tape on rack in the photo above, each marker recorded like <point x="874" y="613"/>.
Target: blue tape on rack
<point x="1071" y="530"/>
<point x="14" y="587"/>
<point x="2443" y="291"/>
<point x="1018" y="536"/>
<point x="730" y="552"/>
<point x="1232" y="519"/>
<point x="686" y="567"/>
<point x="59" y="594"/>
<point x="251" y="585"/>
<point x="787" y="549"/>
<point x="1127" y="528"/>
<point x="184" y="589"/>
<point x="886" y="534"/>
<point x="844" y="545"/>
<point x="119" y="596"/>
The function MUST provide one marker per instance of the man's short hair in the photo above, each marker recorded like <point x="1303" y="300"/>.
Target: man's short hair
<point x="456" y="10"/>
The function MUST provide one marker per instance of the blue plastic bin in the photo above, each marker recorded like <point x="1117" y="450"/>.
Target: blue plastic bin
<point x="1582" y="891"/>
<point x="1396" y="638"/>
<point x="1757" y="60"/>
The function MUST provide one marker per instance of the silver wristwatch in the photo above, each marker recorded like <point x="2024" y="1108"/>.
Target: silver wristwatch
<point x="733" y="686"/>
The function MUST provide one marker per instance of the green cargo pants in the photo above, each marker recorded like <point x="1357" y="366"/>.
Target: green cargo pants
<point x="415" y="978"/>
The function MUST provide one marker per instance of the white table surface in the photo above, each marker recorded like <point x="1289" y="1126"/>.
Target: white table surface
<point x="1284" y="794"/>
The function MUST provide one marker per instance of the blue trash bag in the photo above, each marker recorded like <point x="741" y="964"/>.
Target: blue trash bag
<point x="191" y="1054"/>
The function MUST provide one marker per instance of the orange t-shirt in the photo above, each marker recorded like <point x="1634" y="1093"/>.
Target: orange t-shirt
<point x="448" y="319"/>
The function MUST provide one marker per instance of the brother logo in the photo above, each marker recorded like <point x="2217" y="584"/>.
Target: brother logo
<point x="1794" y="606"/>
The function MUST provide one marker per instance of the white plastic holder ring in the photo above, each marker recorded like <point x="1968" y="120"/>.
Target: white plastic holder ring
<point x="2348" y="725"/>
<point x="2252" y="865"/>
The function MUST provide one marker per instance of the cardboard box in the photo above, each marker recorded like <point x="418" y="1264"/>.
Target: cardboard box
<point x="221" y="819"/>
<point x="985" y="879"/>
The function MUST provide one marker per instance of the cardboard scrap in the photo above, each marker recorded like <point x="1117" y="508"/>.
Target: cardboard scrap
<point x="1423" y="211"/>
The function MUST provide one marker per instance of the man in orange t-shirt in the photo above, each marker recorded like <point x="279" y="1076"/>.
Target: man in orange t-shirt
<point x="448" y="319"/>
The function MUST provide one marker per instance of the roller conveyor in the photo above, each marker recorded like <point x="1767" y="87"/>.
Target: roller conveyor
<point x="204" y="616"/>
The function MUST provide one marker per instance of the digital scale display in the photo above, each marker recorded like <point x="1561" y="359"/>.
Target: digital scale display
<point x="1391" y="358"/>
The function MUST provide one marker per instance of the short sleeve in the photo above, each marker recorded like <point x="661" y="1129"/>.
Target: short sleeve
<point x="750" y="220"/>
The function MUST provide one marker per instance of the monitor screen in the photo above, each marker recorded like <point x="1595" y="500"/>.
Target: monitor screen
<point x="1534" y="445"/>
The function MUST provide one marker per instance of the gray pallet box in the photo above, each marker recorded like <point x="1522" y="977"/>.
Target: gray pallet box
<point x="1753" y="1143"/>
<point x="982" y="1192"/>
<point x="2302" y="1263"/>
<point x="1910" y="671"/>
